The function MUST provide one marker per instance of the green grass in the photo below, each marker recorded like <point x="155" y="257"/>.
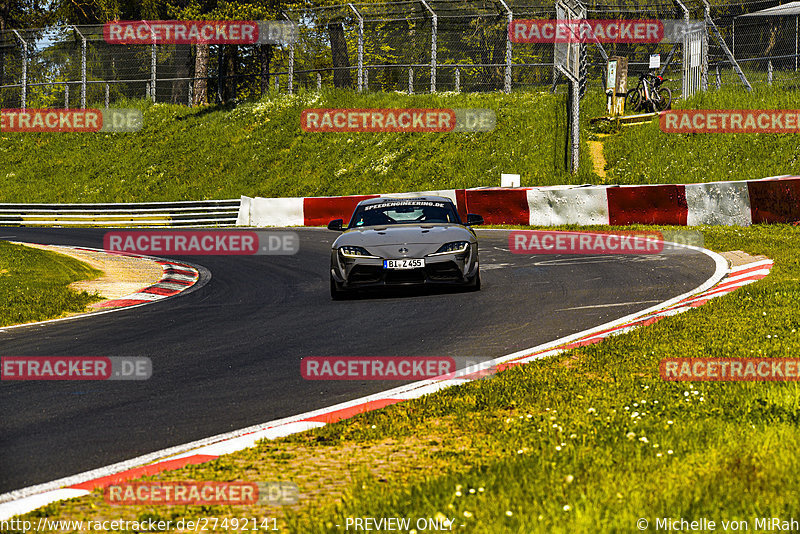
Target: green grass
<point x="645" y="154"/>
<point x="258" y="149"/>
<point x="487" y="453"/>
<point x="33" y="284"/>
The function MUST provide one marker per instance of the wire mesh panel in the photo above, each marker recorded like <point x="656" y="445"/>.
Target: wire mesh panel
<point x="419" y="45"/>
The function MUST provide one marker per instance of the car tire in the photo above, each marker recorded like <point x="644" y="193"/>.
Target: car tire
<point x="336" y="292"/>
<point x="475" y="283"/>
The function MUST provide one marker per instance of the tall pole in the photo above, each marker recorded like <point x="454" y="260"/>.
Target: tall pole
<point x="83" y="67"/>
<point x="507" y="77"/>
<point x="360" y="47"/>
<point x="24" y="80"/>
<point x="434" y="28"/>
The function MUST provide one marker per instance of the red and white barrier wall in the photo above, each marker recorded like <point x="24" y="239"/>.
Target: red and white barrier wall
<point x="740" y="203"/>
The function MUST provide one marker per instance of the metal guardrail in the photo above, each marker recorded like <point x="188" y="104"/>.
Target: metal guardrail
<point x="161" y="214"/>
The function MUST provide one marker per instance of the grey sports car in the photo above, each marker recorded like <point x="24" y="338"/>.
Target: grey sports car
<point x="404" y="241"/>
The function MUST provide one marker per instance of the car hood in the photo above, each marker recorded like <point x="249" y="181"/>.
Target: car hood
<point x="418" y="239"/>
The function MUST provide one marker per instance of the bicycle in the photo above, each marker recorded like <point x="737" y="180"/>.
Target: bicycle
<point x="649" y="94"/>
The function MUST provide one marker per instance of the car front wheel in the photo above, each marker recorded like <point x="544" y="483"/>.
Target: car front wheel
<point x="336" y="292"/>
<point x="475" y="283"/>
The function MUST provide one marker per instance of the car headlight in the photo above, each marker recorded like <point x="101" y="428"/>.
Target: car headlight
<point x="456" y="247"/>
<point x="355" y="252"/>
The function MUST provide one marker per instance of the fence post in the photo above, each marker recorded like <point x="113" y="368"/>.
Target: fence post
<point x="507" y="77"/>
<point x="290" y="82"/>
<point x="191" y="92"/>
<point x="277" y="84"/>
<point x="719" y="79"/>
<point x="360" y="47"/>
<point x="66" y="96"/>
<point x="769" y="72"/>
<point x="152" y="65"/>
<point x="434" y="28"/>
<point x="458" y="80"/>
<point x="366" y="79"/>
<point x="319" y="82"/>
<point x="83" y="67"/>
<point x="24" y="80"/>
<point x="107" y="91"/>
<point x="410" y="80"/>
<point x="704" y="54"/>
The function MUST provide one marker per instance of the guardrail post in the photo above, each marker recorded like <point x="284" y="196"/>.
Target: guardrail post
<point x="458" y="80"/>
<point x="66" y="96"/>
<point x="769" y="72"/>
<point x="24" y="80"/>
<point x="107" y="92"/>
<point x="410" y="80"/>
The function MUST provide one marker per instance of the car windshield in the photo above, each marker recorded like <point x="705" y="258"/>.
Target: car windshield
<point x="404" y="212"/>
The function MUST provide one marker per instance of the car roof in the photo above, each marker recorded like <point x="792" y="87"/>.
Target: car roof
<point x="382" y="200"/>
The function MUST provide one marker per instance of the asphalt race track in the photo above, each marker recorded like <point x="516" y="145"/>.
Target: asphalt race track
<point x="226" y="355"/>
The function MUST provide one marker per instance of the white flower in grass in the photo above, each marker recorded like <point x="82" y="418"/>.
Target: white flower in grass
<point x="467" y="513"/>
<point x="591" y="410"/>
<point x="669" y="451"/>
<point x="567" y="508"/>
<point x="480" y="490"/>
<point x="472" y="490"/>
<point x="558" y="447"/>
<point x="630" y="435"/>
<point x="669" y="422"/>
<point x="644" y="439"/>
<point x="509" y="513"/>
<point x="573" y="436"/>
<point x="659" y="455"/>
<point x="634" y="415"/>
<point x="568" y="479"/>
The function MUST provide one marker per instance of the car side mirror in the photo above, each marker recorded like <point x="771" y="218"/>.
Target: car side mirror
<point x="336" y="225"/>
<point x="473" y="219"/>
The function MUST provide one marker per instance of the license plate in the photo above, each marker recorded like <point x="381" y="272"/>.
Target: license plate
<point x="405" y="263"/>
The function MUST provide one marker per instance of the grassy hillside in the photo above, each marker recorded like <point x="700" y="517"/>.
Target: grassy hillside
<point x="645" y="154"/>
<point x="259" y="149"/>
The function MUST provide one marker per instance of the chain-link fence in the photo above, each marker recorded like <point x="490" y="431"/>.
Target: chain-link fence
<point x="414" y="46"/>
